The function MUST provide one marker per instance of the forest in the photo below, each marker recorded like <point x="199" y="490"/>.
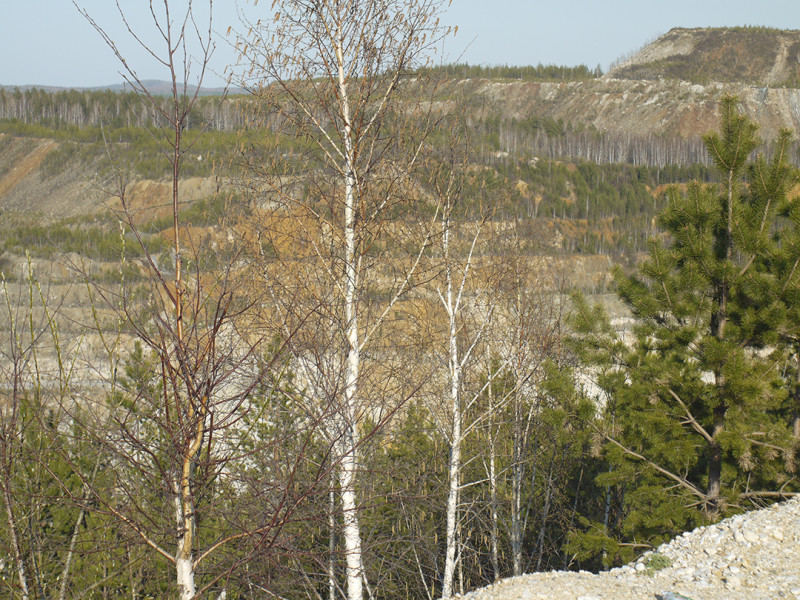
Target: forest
<point x="599" y="206"/>
<point x="356" y="371"/>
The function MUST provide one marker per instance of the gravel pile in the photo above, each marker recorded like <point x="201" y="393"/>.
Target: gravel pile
<point x="753" y="556"/>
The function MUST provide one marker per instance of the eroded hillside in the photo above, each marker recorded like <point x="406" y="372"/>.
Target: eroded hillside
<point x="662" y="108"/>
<point x="756" y="56"/>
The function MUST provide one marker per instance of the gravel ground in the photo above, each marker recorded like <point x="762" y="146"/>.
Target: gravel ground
<point x="753" y="556"/>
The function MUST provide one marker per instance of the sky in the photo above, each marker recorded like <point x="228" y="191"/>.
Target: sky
<point x="49" y="43"/>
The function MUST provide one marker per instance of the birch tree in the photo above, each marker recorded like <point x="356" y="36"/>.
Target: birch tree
<point x="175" y="432"/>
<point x="533" y="334"/>
<point x="469" y="292"/>
<point x="333" y="76"/>
<point x="187" y="383"/>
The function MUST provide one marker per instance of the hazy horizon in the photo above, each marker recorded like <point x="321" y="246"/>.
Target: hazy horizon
<point x="57" y="47"/>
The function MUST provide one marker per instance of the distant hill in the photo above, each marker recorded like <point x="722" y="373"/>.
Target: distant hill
<point x="757" y="56"/>
<point x="650" y="110"/>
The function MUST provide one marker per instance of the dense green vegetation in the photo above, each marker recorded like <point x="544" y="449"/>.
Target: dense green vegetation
<point x="613" y="206"/>
<point x="136" y="149"/>
<point x="701" y="413"/>
<point x="538" y="72"/>
<point x="70" y="236"/>
<point x="403" y="517"/>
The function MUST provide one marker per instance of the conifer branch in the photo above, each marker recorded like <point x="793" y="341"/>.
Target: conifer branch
<point x="676" y="478"/>
<point x="691" y="419"/>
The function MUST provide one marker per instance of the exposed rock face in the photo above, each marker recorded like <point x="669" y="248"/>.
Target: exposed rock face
<point x="754" y="555"/>
<point x="672" y="87"/>
<point x="642" y="108"/>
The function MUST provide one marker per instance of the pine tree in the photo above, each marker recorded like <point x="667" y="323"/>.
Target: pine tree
<point x="696" y="407"/>
<point x="778" y="273"/>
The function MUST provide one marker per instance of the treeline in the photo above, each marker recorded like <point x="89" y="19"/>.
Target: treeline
<point x="605" y="209"/>
<point x="37" y="113"/>
<point x="135" y="149"/>
<point x="598" y="208"/>
<point x="538" y="72"/>
<point x="76" y="108"/>
<point x="554" y="138"/>
<point x="614" y="205"/>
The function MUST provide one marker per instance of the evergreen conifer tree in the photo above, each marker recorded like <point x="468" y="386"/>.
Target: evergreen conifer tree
<point x="696" y="412"/>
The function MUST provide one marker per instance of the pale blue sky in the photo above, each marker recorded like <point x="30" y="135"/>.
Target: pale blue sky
<point x="46" y="42"/>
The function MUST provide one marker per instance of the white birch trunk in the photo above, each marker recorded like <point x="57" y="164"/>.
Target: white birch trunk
<point x="454" y="472"/>
<point x="493" y="485"/>
<point x="12" y="528"/>
<point x="186" y="520"/>
<point x="185" y="573"/>
<point x="454" y="466"/>
<point x="351" y="532"/>
<point x="517" y="441"/>
<point x="516" y="501"/>
<point x="348" y="465"/>
<point x="183" y="557"/>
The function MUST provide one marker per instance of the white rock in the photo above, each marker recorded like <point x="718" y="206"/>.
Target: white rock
<point x="753" y="555"/>
<point x="703" y="584"/>
<point x="733" y="582"/>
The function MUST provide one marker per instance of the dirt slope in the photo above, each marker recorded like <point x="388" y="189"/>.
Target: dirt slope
<point x="638" y="108"/>
<point x="24" y="189"/>
<point x="77" y="190"/>
<point x="753" y="55"/>
<point x="25" y="166"/>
